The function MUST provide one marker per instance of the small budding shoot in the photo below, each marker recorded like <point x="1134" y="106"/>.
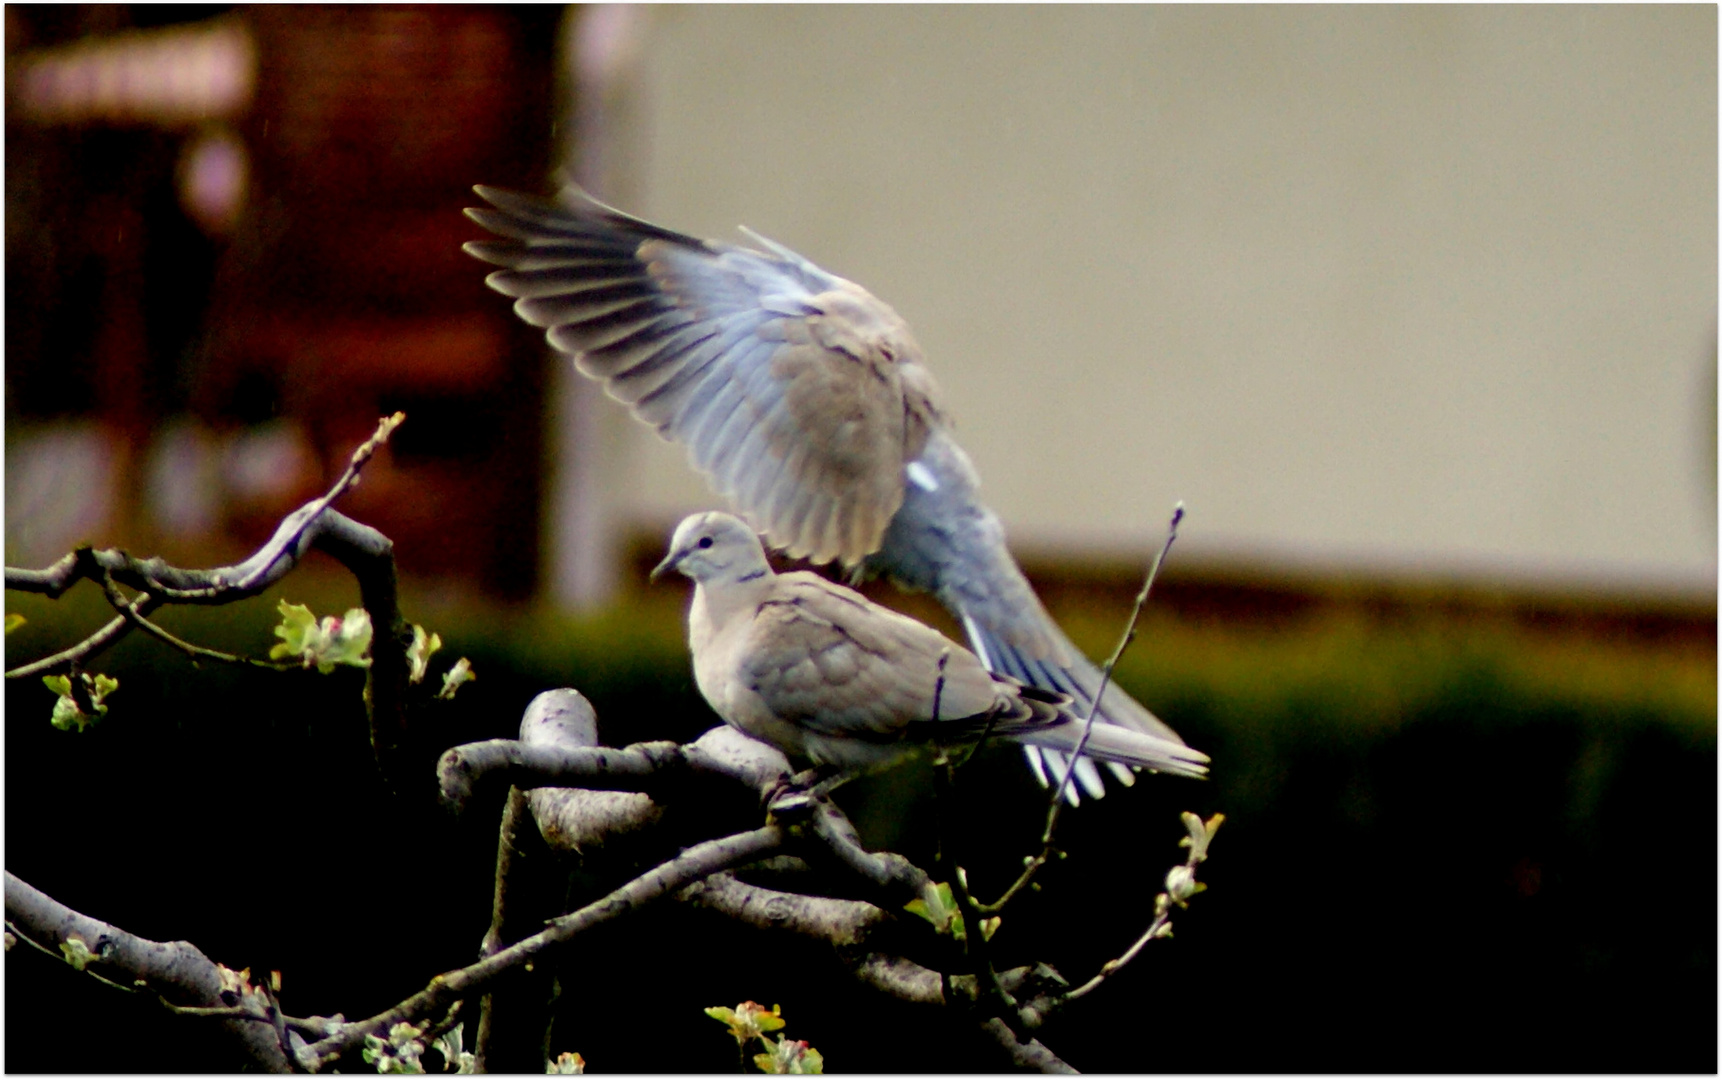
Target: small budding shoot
<point x="323" y="645"/>
<point x="77" y="952"/>
<point x="455" y="1059"/>
<point x="68" y="713"/>
<point x="419" y="653"/>
<point x="399" y="1053"/>
<point x="784" y="1056"/>
<point x="456" y="677"/>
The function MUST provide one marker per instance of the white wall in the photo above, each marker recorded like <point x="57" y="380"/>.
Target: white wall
<point x="1428" y="288"/>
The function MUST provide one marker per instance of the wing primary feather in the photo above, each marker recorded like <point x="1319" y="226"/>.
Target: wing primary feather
<point x="561" y="253"/>
<point x="576" y="210"/>
<point x="704" y="441"/>
<point x="630" y="324"/>
<point x="706" y="358"/>
<point x="740" y="472"/>
<point x="575" y="307"/>
<point x="586" y="284"/>
<point x="663" y="405"/>
<point x="634" y="370"/>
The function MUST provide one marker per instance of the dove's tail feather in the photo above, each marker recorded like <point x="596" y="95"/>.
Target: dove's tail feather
<point x="1079" y="679"/>
<point x="1115" y="745"/>
<point x="946" y="541"/>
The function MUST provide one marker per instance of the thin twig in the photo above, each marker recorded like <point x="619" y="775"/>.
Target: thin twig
<point x="33" y="943"/>
<point x="1033" y="865"/>
<point x="348" y="478"/>
<point x="78" y="653"/>
<point x="1117" y="653"/>
<point x="215" y="586"/>
<point x="1200" y="834"/>
<point x="668" y="878"/>
<point x="279" y="1023"/>
<point x="129" y="610"/>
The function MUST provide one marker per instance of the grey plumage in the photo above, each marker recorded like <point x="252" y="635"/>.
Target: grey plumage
<point x="805" y="401"/>
<point x="822" y="673"/>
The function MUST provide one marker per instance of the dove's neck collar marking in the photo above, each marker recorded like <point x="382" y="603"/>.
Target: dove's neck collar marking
<point x="727" y="592"/>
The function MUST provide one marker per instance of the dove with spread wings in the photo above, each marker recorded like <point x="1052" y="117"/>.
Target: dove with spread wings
<point x="805" y="400"/>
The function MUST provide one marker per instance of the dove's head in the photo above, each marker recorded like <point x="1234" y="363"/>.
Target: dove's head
<point x="715" y="547"/>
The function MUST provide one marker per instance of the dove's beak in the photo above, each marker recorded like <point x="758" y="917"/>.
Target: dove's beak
<point x="666" y="566"/>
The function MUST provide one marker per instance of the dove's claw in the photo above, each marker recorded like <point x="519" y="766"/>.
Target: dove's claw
<point x="794" y="796"/>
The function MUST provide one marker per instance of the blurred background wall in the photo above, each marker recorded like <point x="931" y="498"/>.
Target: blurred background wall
<point x="233" y="243"/>
<point x="1399" y="288"/>
<point x="1398" y="292"/>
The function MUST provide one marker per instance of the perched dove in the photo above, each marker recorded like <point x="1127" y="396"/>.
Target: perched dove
<point x="822" y="673"/>
<point x="803" y="399"/>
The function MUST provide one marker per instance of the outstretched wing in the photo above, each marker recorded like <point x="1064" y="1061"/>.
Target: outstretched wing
<point x="800" y="395"/>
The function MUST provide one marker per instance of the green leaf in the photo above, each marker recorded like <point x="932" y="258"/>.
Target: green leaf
<point x="419" y="652"/>
<point x="66" y="714"/>
<point x="789" y="1057"/>
<point x="399" y="1053"/>
<point x="939" y="907"/>
<point x="298" y="631"/>
<point x="749" y="1020"/>
<point x="453" y="1057"/>
<point x="344" y="640"/>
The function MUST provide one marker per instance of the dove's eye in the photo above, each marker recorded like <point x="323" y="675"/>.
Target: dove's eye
<point x="705" y="542"/>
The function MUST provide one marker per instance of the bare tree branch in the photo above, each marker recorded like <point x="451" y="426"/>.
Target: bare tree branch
<point x="580" y="820"/>
<point x="556" y="763"/>
<point x="581" y="796"/>
<point x="515" y="1016"/>
<point x="841" y="922"/>
<point x="886" y="870"/>
<point x="67" y="659"/>
<point x="900" y="978"/>
<point x="130" y="610"/>
<point x="848" y="923"/>
<point x="220" y="585"/>
<point x="1030" y="1056"/>
<point x="670" y="877"/>
<point x="176" y="970"/>
<point x="365" y="552"/>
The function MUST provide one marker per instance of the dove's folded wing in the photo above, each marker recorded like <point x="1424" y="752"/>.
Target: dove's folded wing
<point x="838" y="666"/>
<point x="798" y="393"/>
